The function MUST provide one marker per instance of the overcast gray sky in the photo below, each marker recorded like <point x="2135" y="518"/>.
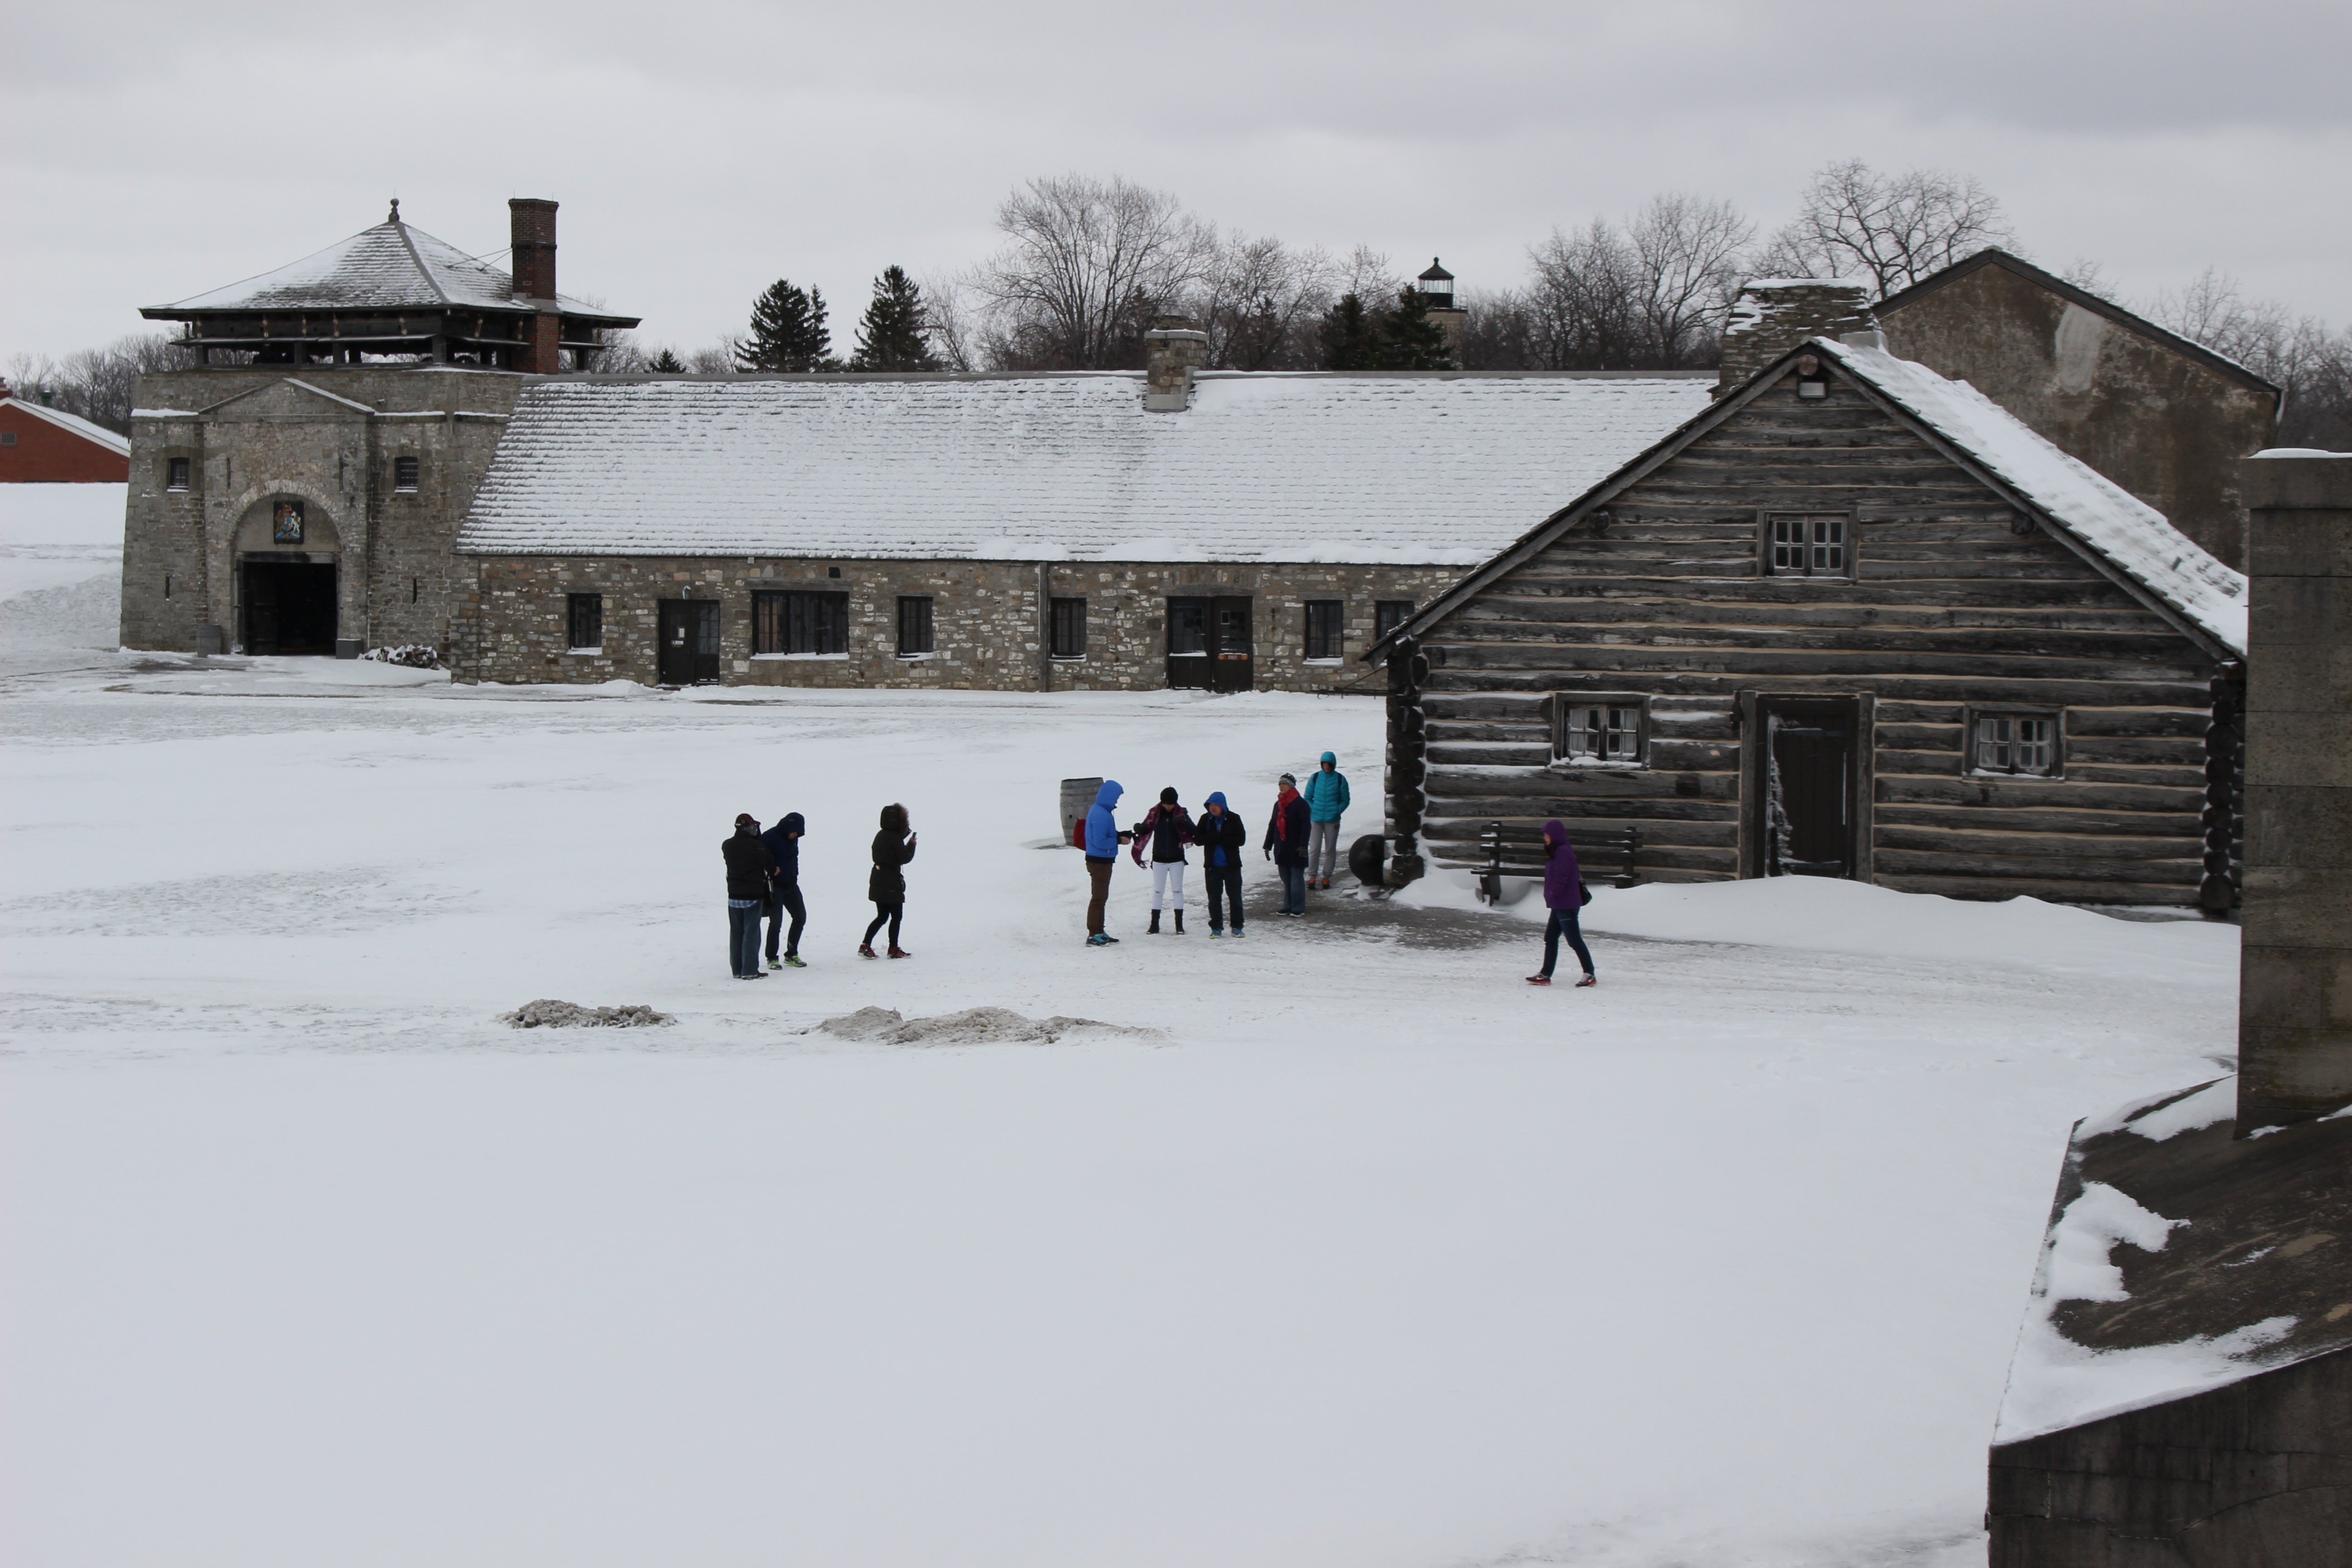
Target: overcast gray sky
<point x="703" y="148"/>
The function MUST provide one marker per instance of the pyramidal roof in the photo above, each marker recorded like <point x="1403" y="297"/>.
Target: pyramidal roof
<point x="394" y="265"/>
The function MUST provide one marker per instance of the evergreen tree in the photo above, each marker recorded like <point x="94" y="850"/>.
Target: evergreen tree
<point x="896" y="331"/>
<point x="1408" y="340"/>
<point x="1351" y="336"/>
<point x="788" y="332"/>
<point x="665" y="363"/>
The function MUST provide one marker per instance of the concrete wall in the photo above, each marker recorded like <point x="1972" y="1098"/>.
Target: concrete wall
<point x="2295" y="1018"/>
<point x="984" y="620"/>
<point x="328" y="436"/>
<point x="2168" y="428"/>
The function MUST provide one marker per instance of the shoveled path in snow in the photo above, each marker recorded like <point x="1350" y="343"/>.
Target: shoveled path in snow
<point x="1377" y="1256"/>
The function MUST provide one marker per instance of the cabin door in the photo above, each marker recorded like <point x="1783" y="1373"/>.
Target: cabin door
<point x="1807" y="799"/>
<point x="689" y="641"/>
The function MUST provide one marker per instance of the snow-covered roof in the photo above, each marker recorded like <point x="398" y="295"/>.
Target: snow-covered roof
<point x="119" y="445"/>
<point x="394" y="265"/>
<point x="2117" y="526"/>
<point x="1439" y="468"/>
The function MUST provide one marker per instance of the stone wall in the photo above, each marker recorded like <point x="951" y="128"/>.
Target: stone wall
<point x="327" y="435"/>
<point x="985" y="620"/>
<point x="1774" y="315"/>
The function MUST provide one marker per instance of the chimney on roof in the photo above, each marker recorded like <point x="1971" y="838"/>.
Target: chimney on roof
<point x="532" y="226"/>
<point x="1172" y="350"/>
<point x="1774" y="315"/>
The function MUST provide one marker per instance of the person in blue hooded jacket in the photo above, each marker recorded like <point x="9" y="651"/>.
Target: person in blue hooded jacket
<point x="1327" y="801"/>
<point x="1103" y="839"/>
<point x="783" y="842"/>
<point x="1221" y="837"/>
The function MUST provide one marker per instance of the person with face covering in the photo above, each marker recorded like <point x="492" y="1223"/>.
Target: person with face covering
<point x="1565" y="895"/>
<point x="1286" y="844"/>
<point x="894" y="846"/>
<point x="1222" y="838"/>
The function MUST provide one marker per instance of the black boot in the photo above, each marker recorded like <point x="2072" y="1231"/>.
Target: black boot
<point x="1155" y="924"/>
<point x="1179" y="922"/>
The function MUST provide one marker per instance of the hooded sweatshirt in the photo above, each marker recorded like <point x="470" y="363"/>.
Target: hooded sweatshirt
<point x="1326" y="791"/>
<point x="785" y="848"/>
<point x="748" y="864"/>
<point x="1563" y="878"/>
<point x="1221" y="837"/>
<point x="1102" y="827"/>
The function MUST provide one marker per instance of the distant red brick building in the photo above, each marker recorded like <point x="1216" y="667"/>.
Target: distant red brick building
<point x="48" y="446"/>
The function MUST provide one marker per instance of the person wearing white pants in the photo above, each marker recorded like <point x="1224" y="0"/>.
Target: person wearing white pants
<point x="1166" y="828"/>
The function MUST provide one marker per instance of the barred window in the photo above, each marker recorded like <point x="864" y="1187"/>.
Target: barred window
<point x="1325" y="620"/>
<point x="1388" y="615"/>
<point x="585" y="613"/>
<point x="800" y="623"/>
<point x="2014" y="743"/>
<point x="1609" y="730"/>
<point x="1069" y="629"/>
<point x="403" y="474"/>
<point x="913" y="625"/>
<point x="1806" y="545"/>
<point x="175" y="474"/>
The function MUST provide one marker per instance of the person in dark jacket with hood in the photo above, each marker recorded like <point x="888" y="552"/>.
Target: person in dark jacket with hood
<point x="1221" y="837"/>
<point x="1166" y="828"/>
<point x="894" y="846"/>
<point x="1286" y="844"/>
<point x="1102" y="841"/>
<point x="748" y="866"/>
<point x="783" y="842"/>
<point x="1564" y="894"/>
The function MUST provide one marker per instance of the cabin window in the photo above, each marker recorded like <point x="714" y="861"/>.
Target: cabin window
<point x="1388" y="615"/>
<point x="1069" y="629"/>
<point x="2023" y="744"/>
<point x="1325" y="621"/>
<point x="403" y="475"/>
<point x="1602" y="730"/>
<point x="585" y="614"/>
<point x="175" y="473"/>
<point x="1808" y="544"/>
<point x="913" y="625"/>
<point x="800" y="623"/>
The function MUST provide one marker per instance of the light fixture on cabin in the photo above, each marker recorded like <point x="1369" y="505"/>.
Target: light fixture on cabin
<point x="1810" y="381"/>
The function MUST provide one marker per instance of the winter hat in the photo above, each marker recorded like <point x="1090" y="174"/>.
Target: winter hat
<point x="1288" y="780"/>
<point x="745" y="819"/>
<point x="1168" y="796"/>
<point x="1330" y="757"/>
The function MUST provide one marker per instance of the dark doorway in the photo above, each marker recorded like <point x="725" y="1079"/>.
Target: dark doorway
<point x="290" y="606"/>
<point x="689" y="641"/>
<point x="1809" y="786"/>
<point x="1210" y="645"/>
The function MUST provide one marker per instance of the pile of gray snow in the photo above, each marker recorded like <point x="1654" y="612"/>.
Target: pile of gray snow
<point x="78" y="614"/>
<point x="972" y="1026"/>
<point x="549" y="1014"/>
<point x="408" y="656"/>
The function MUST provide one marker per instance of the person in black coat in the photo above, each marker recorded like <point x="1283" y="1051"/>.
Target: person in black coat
<point x="894" y="846"/>
<point x="749" y="867"/>
<point x="783" y="842"/>
<point x="1286" y="844"/>
<point x="1221" y="836"/>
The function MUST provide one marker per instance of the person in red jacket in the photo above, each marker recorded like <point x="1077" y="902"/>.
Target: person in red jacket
<point x="1286" y="844"/>
<point x="1167" y="828"/>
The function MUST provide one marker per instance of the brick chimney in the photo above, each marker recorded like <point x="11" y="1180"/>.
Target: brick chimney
<point x="1774" y="315"/>
<point x="532" y="228"/>
<point x="1172" y="350"/>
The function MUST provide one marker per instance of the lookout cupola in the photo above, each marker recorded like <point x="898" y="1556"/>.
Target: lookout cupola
<point x="395" y="291"/>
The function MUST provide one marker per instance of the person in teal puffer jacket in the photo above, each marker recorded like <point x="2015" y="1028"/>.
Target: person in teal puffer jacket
<point x="1326" y="799"/>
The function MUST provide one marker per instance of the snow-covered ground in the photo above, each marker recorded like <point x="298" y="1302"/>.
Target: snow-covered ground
<point x="60" y="572"/>
<point x="1372" y="1255"/>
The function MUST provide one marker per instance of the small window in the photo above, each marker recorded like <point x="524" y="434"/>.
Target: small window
<point x="585" y="613"/>
<point x="175" y="473"/>
<point x="1807" y="546"/>
<point x="1069" y="629"/>
<point x="1388" y="615"/>
<point x="913" y="625"/>
<point x="403" y="475"/>
<point x="1325" y="620"/>
<point x="8" y="438"/>
<point x="2013" y="743"/>
<point x="800" y="623"/>
<point x="1594" y="730"/>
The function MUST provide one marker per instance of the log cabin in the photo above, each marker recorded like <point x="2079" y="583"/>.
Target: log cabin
<point x="1852" y="620"/>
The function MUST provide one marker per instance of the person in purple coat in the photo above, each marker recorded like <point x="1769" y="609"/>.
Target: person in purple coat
<point x="1564" y="893"/>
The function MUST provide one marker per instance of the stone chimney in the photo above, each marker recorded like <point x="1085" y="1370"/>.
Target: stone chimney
<point x="532" y="228"/>
<point x="1172" y="350"/>
<point x="2294" y="996"/>
<point x="1774" y="315"/>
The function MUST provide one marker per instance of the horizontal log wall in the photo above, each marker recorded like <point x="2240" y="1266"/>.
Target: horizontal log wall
<point x="1947" y="608"/>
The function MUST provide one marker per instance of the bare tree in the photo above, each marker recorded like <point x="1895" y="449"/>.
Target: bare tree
<point x="1260" y="303"/>
<point x="97" y="384"/>
<point x="717" y="359"/>
<point x="1584" y="305"/>
<point x="1687" y="260"/>
<point x="1085" y="264"/>
<point x="2307" y="360"/>
<point x="1891" y="229"/>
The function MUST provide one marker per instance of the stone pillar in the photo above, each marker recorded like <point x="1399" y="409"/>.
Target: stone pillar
<point x="1172" y="351"/>
<point x="2295" y="1008"/>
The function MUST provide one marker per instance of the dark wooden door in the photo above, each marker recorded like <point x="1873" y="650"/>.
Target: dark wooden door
<point x="1192" y="644"/>
<point x="290" y="606"/>
<point x="689" y="641"/>
<point x="1236" y="665"/>
<point x="1810" y="781"/>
